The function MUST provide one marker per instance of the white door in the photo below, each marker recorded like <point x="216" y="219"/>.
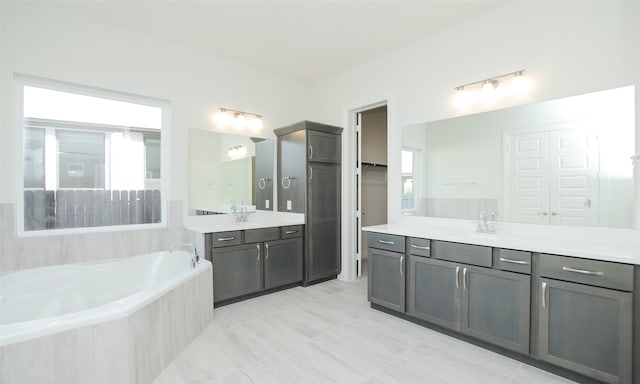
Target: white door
<point x="528" y="178"/>
<point x="553" y="177"/>
<point x="574" y="183"/>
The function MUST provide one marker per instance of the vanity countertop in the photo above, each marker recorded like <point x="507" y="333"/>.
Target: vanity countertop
<point x="255" y="220"/>
<point x="586" y="249"/>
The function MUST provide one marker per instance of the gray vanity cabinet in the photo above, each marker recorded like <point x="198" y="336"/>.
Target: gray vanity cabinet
<point x="309" y="182"/>
<point x="585" y="328"/>
<point x="282" y="262"/>
<point x="386" y="282"/>
<point x="434" y="291"/>
<point x="237" y="271"/>
<point x="496" y="307"/>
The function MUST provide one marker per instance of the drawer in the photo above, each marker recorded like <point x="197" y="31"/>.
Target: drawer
<point x="462" y="253"/>
<point x="291" y="231"/>
<point x="225" y="239"/>
<point x="511" y="260"/>
<point x="593" y="272"/>
<point x="419" y="247"/>
<point x="394" y="243"/>
<point x="261" y="234"/>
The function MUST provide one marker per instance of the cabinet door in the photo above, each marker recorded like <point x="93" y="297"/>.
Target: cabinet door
<point x="323" y="147"/>
<point x="237" y="271"/>
<point x="282" y="262"/>
<point x="323" y="221"/>
<point x="386" y="279"/>
<point x="586" y="329"/>
<point x="495" y="307"/>
<point x="434" y="291"/>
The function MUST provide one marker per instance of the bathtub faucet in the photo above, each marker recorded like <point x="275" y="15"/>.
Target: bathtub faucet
<point x="187" y="247"/>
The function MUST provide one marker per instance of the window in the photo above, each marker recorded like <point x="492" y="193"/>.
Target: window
<point x="90" y="158"/>
<point x="409" y="182"/>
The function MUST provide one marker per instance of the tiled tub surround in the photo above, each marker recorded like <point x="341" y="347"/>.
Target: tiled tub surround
<point x="166" y="305"/>
<point x="17" y="253"/>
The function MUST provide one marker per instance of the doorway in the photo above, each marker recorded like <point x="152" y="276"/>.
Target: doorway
<point x="371" y="177"/>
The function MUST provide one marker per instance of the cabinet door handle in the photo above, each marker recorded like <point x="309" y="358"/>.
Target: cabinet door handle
<point x="266" y="253"/>
<point x="457" y="277"/>
<point x="420" y="247"/>
<point x="583" y="271"/>
<point x="464" y="278"/>
<point x="226" y="238"/>
<point x="258" y="248"/>
<point x="310" y="151"/>
<point x="505" y="260"/>
<point x="402" y="266"/>
<point x="310" y="173"/>
<point x="290" y="232"/>
<point x="544" y="295"/>
<point x="386" y="242"/>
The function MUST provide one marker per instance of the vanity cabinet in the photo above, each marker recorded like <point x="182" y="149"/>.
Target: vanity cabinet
<point x="387" y="271"/>
<point x="309" y="182"/>
<point x="248" y="262"/>
<point x="488" y="304"/>
<point x="585" y="317"/>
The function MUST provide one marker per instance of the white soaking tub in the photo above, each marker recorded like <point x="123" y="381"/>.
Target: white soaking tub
<point x="120" y="321"/>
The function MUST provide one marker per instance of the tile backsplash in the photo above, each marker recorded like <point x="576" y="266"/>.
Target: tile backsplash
<point x="31" y="252"/>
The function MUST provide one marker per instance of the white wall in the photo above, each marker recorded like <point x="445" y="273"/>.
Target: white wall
<point x="567" y="48"/>
<point x="39" y="40"/>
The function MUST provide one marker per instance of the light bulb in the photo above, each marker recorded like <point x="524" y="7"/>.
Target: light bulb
<point x="255" y="124"/>
<point x="222" y="118"/>
<point x="519" y="84"/>
<point x="463" y="98"/>
<point x="489" y="89"/>
<point x="239" y="121"/>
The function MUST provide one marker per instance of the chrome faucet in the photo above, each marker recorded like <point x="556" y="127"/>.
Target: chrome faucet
<point x="485" y="225"/>
<point x="233" y="206"/>
<point x="187" y="247"/>
<point x="243" y="216"/>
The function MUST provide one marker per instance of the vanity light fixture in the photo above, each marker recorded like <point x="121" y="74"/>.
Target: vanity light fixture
<point x="237" y="151"/>
<point x="238" y="119"/>
<point x="490" y="88"/>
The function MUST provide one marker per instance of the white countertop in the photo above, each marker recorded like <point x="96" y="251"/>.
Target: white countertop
<point x="259" y="219"/>
<point x="586" y="248"/>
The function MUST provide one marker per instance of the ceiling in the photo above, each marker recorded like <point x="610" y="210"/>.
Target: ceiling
<point x="306" y="40"/>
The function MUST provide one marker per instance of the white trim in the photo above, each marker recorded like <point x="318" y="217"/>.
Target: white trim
<point x="348" y="186"/>
<point x="22" y="80"/>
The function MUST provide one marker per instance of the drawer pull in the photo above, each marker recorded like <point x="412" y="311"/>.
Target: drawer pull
<point x="290" y="232"/>
<point x="226" y="238"/>
<point x="420" y="247"/>
<point x="505" y="260"/>
<point x="386" y="242"/>
<point x="583" y="271"/>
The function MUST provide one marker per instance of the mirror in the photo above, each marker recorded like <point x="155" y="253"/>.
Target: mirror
<point x="560" y="162"/>
<point x="222" y="172"/>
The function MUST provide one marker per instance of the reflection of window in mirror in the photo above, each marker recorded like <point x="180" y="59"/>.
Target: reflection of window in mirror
<point x="409" y="179"/>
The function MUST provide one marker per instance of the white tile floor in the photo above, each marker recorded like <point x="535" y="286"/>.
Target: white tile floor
<point x="327" y="333"/>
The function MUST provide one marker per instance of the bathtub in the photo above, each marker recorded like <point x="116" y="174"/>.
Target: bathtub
<point x="118" y="321"/>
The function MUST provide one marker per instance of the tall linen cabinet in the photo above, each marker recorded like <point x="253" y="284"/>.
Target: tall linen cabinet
<point x="309" y="182"/>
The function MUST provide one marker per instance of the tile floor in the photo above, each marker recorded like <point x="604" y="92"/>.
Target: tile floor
<point x="327" y="333"/>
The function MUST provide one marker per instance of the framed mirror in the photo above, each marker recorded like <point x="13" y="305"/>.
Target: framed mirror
<point x="559" y="162"/>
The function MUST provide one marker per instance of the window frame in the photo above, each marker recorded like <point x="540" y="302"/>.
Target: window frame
<point x="21" y="81"/>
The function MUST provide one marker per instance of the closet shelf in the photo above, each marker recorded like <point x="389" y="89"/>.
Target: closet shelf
<point x="374" y="164"/>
